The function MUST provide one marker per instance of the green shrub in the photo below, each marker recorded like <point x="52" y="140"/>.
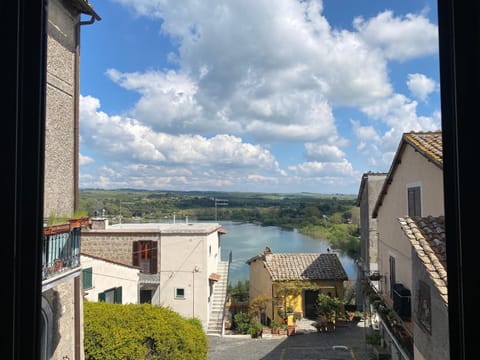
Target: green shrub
<point x="241" y="322"/>
<point x="374" y="338"/>
<point x="135" y="332"/>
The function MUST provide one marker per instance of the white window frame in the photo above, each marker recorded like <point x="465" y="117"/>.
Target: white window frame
<point x="179" y="297"/>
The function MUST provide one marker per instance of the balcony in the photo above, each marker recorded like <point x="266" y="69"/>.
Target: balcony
<point x="397" y="328"/>
<point x="61" y="248"/>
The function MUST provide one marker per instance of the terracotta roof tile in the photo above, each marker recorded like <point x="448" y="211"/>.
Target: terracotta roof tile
<point x="427" y="236"/>
<point x="307" y="266"/>
<point x="428" y="143"/>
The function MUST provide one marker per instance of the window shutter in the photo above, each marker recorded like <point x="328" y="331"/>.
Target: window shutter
<point x="136" y="247"/>
<point x="411" y="202"/>
<point x="101" y="296"/>
<point x="117" y="295"/>
<point x="153" y="256"/>
<point x="418" y="210"/>
<point x="87" y="278"/>
<point x="414" y="204"/>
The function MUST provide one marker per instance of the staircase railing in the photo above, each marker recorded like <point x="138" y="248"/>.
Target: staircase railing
<point x="226" y="293"/>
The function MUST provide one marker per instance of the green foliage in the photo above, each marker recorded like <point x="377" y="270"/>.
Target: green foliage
<point x="328" y="306"/>
<point x="330" y="217"/>
<point x="242" y="322"/>
<point x="114" y="331"/>
<point x="57" y="220"/>
<point x="374" y="338"/>
<point x="239" y="292"/>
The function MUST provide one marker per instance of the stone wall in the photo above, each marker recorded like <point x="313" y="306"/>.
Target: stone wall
<point x="114" y="246"/>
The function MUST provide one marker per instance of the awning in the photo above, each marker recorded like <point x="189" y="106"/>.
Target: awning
<point x="214" y="277"/>
<point x="222" y="231"/>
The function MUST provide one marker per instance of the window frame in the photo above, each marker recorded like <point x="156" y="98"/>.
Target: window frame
<point x="87" y="273"/>
<point x="176" y="296"/>
<point x="414" y="200"/>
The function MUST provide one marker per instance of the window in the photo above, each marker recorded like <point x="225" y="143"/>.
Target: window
<point x="145" y="296"/>
<point x="414" y="203"/>
<point x="144" y="255"/>
<point x="179" y="293"/>
<point x="87" y="278"/>
<point x="424" y="315"/>
<point x="113" y="296"/>
<point x="393" y="274"/>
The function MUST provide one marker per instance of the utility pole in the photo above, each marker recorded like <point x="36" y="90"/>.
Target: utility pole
<point x="219" y="202"/>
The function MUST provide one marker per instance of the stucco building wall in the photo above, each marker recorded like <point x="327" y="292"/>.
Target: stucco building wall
<point x="413" y="170"/>
<point x="434" y="345"/>
<point x="106" y="275"/>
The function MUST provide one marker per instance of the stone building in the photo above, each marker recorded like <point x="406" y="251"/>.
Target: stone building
<point x="180" y="264"/>
<point x="62" y="310"/>
<point x="370" y="187"/>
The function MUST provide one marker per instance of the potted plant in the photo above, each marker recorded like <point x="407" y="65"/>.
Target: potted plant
<point x="375" y="276"/>
<point x="254" y="330"/>
<point x="283" y="329"/>
<point x="274" y="326"/>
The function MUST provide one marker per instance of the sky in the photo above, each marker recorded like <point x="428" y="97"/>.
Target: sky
<point x="282" y="96"/>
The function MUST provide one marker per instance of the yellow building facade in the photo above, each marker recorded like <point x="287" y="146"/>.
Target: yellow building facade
<point x="289" y="283"/>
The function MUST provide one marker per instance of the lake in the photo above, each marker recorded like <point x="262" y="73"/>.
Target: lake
<point x="247" y="240"/>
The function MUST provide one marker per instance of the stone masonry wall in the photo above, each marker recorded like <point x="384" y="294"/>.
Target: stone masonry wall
<point x="117" y="247"/>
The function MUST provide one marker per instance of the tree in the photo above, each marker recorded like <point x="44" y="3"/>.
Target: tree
<point x="328" y="308"/>
<point x="115" y="331"/>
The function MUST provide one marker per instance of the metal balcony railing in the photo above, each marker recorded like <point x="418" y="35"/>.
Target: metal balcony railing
<point x="60" y="250"/>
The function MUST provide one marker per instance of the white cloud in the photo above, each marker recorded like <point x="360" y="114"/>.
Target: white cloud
<point x="84" y="160"/>
<point x="400" y="114"/>
<point x="316" y="168"/>
<point x="273" y="88"/>
<point x="277" y="77"/>
<point x="323" y="152"/>
<point x="399" y="38"/>
<point x="420" y="86"/>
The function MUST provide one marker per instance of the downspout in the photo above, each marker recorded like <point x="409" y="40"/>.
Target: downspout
<point x="76" y="109"/>
<point x="76" y="150"/>
<point x="77" y="309"/>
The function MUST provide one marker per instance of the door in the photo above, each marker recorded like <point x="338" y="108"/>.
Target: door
<point x="310" y="300"/>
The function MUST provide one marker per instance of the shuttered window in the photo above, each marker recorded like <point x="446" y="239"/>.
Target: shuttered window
<point x="113" y="295"/>
<point x="145" y="255"/>
<point x="87" y="278"/>
<point x="414" y="203"/>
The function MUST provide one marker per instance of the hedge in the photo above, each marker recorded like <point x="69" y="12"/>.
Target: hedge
<point x="144" y="331"/>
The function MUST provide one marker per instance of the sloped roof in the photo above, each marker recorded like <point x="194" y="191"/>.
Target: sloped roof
<point x="302" y="266"/>
<point x="427" y="236"/>
<point x="363" y="183"/>
<point x="85" y="7"/>
<point x="428" y="144"/>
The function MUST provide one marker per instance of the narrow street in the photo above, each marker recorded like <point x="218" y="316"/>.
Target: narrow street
<point x="346" y="342"/>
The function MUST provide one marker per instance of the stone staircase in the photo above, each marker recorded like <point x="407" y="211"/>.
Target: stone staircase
<point x="215" y="322"/>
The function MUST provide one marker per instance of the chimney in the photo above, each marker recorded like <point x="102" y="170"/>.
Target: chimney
<point x="99" y="223"/>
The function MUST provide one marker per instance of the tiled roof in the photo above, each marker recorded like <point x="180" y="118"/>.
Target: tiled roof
<point x="365" y="177"/>
<point x="427" y="236"/>
<point x="428" y="144"/>
<point x="308" y="266"/>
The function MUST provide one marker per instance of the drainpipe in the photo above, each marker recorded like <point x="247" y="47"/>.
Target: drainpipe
<point x="76" y="149"/>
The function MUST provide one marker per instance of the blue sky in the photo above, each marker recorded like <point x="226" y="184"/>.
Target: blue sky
<point x="254" y="95"/>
